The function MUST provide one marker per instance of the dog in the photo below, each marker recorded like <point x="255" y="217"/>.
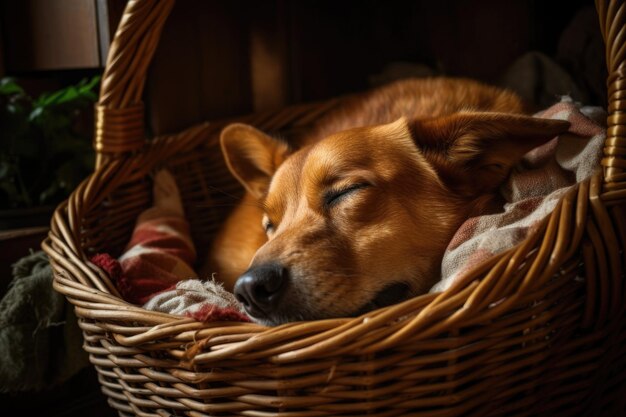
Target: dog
<point x="359" y="215"/>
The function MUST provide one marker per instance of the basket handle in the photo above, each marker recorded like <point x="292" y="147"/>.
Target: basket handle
<point x="612" y="15"/>
<point x="119" y="113"/>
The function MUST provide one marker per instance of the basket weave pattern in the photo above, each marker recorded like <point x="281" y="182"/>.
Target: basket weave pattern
<point x="521" y="335"/>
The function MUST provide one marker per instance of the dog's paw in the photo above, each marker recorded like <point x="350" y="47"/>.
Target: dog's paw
<point x="165" y="192"/>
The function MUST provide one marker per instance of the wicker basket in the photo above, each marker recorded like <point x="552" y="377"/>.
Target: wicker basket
<point x="519" y="336"/>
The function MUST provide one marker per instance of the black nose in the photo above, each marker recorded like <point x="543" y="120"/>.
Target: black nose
<point x="260" y="288"/>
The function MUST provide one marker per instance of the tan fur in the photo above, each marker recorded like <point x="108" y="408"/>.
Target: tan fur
<point x="236" y="243"/>
<point x="425" y="154"/>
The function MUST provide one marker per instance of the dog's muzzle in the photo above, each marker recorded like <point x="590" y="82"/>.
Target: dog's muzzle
<point x="260" y="289"/>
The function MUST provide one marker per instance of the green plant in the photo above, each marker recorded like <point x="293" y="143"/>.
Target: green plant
<point x="43" y="156"/>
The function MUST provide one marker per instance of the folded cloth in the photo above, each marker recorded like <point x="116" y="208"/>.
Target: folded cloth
<point x="156" y="267"/>
<point x="532" y="192"/>
<point x="40" y="340"/>
<point x="203" y="301"/>
<point x="160" y="252"/>
<point x="158" y="256"/>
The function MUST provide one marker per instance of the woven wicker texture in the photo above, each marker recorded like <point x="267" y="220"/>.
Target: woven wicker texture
<point x="521" y="335"/>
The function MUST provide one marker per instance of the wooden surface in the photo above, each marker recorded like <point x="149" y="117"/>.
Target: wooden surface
<point x="57" y="35"/>
<point x="44" y="35"/>
<point x="109" y="13"/>
<point x="270" y="56"/>
<point x="230" y="58"/>
<point x="201" y="68"/>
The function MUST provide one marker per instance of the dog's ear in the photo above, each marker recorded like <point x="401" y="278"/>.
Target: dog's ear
<point x="252" y="156"/>
<point x="476" y="151"/>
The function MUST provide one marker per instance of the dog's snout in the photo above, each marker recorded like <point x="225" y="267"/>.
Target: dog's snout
<point x="260" y="288"/>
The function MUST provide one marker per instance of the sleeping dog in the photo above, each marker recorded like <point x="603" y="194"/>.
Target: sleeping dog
<point x="359" y="216"/>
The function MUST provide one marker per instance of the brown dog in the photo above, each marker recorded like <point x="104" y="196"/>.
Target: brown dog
<point x="360" y="216"/>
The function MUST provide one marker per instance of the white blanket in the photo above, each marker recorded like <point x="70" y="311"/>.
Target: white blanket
<point x="532" y="191"/>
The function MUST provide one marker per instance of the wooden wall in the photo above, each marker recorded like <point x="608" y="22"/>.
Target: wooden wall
<point x="219" y="59"/>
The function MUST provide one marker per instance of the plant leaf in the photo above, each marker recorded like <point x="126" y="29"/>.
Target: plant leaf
<point x="9" y="87"/>
<point x="43" y="156"/>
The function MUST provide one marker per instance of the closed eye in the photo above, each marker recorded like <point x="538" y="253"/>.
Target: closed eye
<point x="267" y="224"/>
<point x="333" y="197"/>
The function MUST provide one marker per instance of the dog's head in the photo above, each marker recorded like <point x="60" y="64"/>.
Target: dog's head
<point x="361" y="219"/>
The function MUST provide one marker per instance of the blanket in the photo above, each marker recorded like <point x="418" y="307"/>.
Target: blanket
<point x="156" y="270"/>
<point x="40" y="339"/>
<point x="532" y="191"/>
